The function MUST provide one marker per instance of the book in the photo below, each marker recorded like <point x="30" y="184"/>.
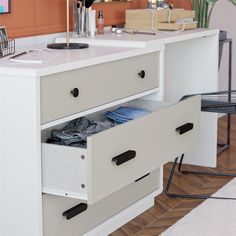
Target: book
<point x="179" y="25"/>
<point x="146" y="19"/>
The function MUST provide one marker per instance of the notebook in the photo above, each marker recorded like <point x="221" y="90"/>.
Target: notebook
<point x="32" y="56"/>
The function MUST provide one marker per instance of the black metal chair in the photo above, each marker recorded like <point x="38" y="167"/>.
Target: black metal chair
<point x="208" y="105"/>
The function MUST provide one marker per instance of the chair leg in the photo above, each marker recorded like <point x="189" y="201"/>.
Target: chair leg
<point x="191" y="196"/>
<point x="185" y="172"/>
<point x="224" y="146"/>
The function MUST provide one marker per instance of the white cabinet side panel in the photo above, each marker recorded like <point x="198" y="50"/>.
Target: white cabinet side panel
<point x="20" y="198"/>
<point x="192" y="67"/>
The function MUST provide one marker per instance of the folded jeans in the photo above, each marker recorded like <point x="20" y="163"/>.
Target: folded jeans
<point x="124" y="114"/>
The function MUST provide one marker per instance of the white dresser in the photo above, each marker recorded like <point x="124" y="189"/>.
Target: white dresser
<point x="117" y="176"/>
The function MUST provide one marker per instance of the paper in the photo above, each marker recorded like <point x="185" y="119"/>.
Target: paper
<point x="32" y="56"/>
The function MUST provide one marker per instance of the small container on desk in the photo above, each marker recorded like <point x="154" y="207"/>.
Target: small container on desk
<point x="7" y="48"/>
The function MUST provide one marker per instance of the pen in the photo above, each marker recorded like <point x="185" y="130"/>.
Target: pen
<point x="21" y="54"/>
<point x="144" y="32"/>
<point x="18" y="55"/>
<point x="139" y="32"/>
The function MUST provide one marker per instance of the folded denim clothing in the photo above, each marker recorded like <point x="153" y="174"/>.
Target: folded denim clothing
<point x="115" y="119"/>
<point x="80" y="144"/>
<point x="76" y="132"/>
<point x="124" y="114"/>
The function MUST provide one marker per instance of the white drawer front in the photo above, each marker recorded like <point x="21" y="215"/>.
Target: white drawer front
<point x="153" y="138"/>
<point x="97" y="85"/>
<point x="54" y="224"/>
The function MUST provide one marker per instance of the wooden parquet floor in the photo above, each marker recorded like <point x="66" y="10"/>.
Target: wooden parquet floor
<point x="167" y="211"/>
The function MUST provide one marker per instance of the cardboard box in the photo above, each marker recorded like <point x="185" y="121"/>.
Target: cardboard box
<point x="146" y="19"/>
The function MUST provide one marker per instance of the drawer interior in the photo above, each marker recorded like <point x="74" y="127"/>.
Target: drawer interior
<point x="148" y="105"/>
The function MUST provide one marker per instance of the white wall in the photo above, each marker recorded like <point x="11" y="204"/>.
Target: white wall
<point x="224" y="18"/>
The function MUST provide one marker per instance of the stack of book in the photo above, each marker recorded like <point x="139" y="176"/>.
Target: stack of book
<point x="164" y="19"/>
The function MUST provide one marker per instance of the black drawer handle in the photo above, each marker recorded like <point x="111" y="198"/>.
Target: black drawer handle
<point x="124" y="157"/>
<point x="74" y="211"/>
<point x="142" y="74"/>
<point x="75" y="92"/>
<point x="184" y="128"/>
<point x="142" y="177"/>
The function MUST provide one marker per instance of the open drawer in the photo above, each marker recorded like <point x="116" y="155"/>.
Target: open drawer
<point x="118" y="156"/>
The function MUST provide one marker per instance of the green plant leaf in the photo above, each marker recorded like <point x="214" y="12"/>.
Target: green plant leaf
<point x="203" y="10"/>
<point x="233" y="1"/>
<point x="212" y="1"/>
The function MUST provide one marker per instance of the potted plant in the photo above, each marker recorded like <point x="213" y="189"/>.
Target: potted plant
<point x="203" y="9"/>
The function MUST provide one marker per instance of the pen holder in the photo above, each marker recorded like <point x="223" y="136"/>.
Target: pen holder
<point x="7" y="48"/>
<point x="81" y="20"/>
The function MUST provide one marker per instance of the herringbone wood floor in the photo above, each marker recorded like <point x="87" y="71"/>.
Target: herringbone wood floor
<point x="167" y="211"/>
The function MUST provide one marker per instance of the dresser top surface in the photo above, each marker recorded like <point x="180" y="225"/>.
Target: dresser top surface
<point x="144" y="40"/>
<point x="102" y="49"/>
<point x="63" y="60"/>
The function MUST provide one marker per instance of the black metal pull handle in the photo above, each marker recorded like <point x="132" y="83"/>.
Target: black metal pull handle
<point x="74" y="211"/>
<point x="124" y="157"/>
<point x="184" y="128"/>
<point x="142" y="74"/>
<point x="75" y="92"/>
<point x="144" y="176"/>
